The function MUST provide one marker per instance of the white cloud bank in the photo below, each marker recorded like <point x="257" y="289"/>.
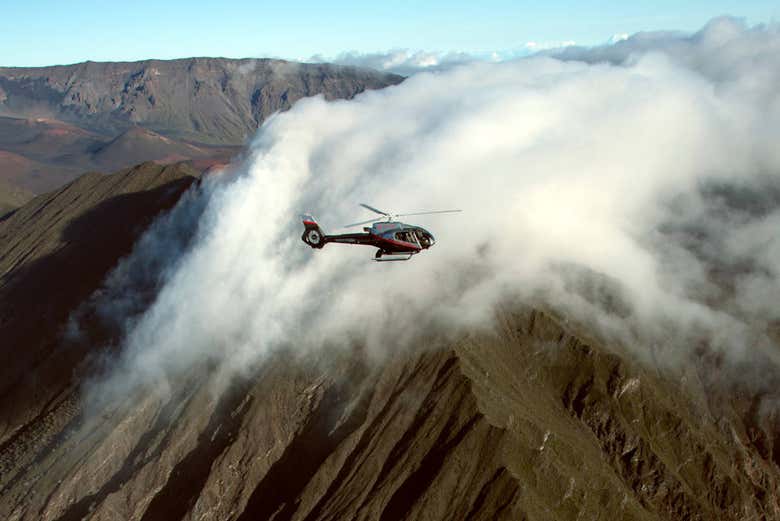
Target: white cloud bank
<point x="407" y="62"/>
<point x="653" y="162"/>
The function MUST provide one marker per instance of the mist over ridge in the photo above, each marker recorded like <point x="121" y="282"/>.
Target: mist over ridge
<point x="595" y="336"/>
<point x="653" y="181"/>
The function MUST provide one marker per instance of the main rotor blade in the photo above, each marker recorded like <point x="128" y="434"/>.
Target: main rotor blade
<point x="380" y="212"/>
<point x="364" y="222"/>
<point x="427" y="213"/>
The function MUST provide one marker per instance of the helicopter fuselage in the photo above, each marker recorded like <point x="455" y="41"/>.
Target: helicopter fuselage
<point x="390" y="238"/>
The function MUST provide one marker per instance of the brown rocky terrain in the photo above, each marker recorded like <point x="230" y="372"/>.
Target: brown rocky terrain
<point x="533" y="419"/>
<point x="12" y="196"/>
<point x="59" y="122"/>
<point x="38" y="155"/>
<point x="137" y="145"/>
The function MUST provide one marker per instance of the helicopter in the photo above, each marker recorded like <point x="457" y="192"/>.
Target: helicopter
<point x="394" y="240"/>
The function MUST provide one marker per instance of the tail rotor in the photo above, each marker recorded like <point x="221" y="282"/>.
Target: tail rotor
<point x="312" y="233"/>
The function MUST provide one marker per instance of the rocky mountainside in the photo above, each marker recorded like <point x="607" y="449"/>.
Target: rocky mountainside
<point x="39" y="155"/>
<point x="138" y="145"/>
<point x="12" y="197"/>
<point x="535" y="419"/>
<point x="209" y="100"/>
<point x="57" y="121"/>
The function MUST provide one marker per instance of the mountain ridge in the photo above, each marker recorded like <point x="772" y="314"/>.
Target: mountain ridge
<point x="532" y="418"/>
<point x="116" y="95"/>
<point x="57" y="117"/>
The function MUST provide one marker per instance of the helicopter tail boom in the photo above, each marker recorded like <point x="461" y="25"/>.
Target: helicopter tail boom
<point x="316" y="238"/>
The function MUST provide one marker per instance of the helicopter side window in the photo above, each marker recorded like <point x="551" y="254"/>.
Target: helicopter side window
<point x="407" y="236"/>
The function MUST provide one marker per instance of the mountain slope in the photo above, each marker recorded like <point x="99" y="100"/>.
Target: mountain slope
<point x="534" y="419"/>
<point x="59" y="122"/>
<point x="12" y="197"/>
<point x="138" y="145"/>
<point x="30" y="175"/>
<point x="209" y="100"/>
<point x="54" y="252"/>
<point x="43" y="139"/>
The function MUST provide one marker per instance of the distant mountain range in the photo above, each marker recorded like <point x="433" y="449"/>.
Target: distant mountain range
<point x="58" y="122"/>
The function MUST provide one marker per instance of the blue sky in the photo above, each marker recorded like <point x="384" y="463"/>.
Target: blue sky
<point x="45" y="32"/>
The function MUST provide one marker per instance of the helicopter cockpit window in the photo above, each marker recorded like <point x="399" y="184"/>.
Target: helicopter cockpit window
<point x="407" y="236"/>
<point x="422" y="240"/>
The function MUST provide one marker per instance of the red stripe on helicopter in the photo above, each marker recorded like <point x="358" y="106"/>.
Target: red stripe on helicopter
<point x="400" y="243"/>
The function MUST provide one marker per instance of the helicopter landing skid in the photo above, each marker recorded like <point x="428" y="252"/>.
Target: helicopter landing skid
<point x="390" y="257"/>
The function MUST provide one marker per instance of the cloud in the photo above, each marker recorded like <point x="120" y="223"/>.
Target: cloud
<point x="726" y="50"/>
<point x="400" y="61"/>
<point x="539" y="46"/>
<point x="617" y="37"/>
<point x="407" y="62"/>
<point x="646" y="172"/>
<point x="247" y="67"/>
